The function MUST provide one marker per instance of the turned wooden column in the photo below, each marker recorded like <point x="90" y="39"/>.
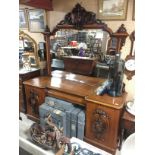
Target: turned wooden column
<point x="48" y="55"/>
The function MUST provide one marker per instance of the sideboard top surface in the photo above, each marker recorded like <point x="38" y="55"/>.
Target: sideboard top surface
<point x="67" y="82"/>
<point x="75" y="84"/>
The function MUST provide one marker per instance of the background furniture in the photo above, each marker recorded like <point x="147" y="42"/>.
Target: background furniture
<point x="25" y="75"/>
<point x="127" y="126"/>
<point x="28" y="46"/>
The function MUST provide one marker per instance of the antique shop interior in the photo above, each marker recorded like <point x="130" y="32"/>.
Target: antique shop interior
<point x="76" y="77"/>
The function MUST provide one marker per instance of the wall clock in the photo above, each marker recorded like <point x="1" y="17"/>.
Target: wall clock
<point x="130" y="59"/>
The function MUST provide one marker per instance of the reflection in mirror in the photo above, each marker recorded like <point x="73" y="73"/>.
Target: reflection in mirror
<point x="27" y="51"/>
<point x="84" y="43"/>
<point x="81" y="34"/>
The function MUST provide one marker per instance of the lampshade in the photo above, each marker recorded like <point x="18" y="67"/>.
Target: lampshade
<point x="82" y="45"/>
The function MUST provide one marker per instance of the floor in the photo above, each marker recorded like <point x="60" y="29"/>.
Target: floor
<point x="27" y="146"/>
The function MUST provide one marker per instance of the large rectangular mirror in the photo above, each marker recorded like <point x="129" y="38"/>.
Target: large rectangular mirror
<point x="93" y="43"/>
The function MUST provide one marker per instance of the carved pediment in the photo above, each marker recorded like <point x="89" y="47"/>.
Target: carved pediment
<point x="79" y="17"/>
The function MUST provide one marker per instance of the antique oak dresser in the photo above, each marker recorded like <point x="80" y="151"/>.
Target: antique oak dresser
<point x="103" y="113"/>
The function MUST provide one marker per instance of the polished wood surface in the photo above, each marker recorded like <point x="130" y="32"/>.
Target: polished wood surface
<point x="76" y="77"/>
<point x="67" y="82"/>
<point x="107" y="100"/>
<point x="64" y="85"/>
<point x="81" y="90"/>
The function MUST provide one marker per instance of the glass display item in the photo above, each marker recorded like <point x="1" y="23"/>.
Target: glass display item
<point x="26" y="61"/>
<point x="116" y="72"/>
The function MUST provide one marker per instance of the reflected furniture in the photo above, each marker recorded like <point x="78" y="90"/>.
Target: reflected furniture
<point x="79" y="65"/>
<point x="83" y="21"/>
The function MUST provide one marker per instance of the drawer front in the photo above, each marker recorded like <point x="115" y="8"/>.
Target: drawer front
<point x="34" y="98"/>
<point x="102" y="125"/>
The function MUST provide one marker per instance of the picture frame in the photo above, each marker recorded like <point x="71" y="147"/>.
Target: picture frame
<point x="32" y="59"/>
<point x="133" y="15"/>
<point x="37" y="20"/>
<point x="113" y="9"/>
<point x="23" y="24"/>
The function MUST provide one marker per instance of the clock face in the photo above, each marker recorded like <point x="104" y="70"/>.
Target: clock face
<point x="130" y="65"/>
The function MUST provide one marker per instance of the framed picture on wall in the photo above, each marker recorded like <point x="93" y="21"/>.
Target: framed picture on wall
<point x="113" y="9"/>
<point x="133" y="16"/>
<point x="36" y="20"/>
<point x="22" y="19"/>
<point x="32" y="60"/>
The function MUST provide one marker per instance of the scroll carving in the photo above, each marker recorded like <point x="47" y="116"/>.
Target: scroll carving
<point x="100" y="123"/>
<point x="123" y="30"/>
<point x="79" y="17"/>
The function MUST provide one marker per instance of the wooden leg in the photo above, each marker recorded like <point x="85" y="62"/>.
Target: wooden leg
<point x="121" y="139"/>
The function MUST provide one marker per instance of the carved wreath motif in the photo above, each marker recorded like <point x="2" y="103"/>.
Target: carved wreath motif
<point x="100" y="123"/>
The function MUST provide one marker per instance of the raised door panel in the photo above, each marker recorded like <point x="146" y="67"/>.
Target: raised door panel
<point x="102" y="124"/>
<point x="34" y="98"/>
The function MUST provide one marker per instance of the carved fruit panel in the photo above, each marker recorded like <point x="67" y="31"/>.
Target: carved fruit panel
<point x="100" y="123"/>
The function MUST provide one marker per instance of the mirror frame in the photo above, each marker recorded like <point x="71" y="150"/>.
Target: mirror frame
<point x="25" y="35"/>
<point x="80" y="19"/>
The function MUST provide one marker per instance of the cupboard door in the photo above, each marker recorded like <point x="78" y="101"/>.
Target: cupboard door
<point x="102" y="125"/>
<point x="34" y="98"/>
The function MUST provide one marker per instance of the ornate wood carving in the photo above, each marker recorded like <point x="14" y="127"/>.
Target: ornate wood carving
<point x="120" y="30"/>
<point x="100" y="123"/>
<point x="79" y="17"/>
<point x="117" y="40"/>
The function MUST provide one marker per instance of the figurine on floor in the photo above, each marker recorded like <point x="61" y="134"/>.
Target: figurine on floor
<point x="49" y="136"/>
